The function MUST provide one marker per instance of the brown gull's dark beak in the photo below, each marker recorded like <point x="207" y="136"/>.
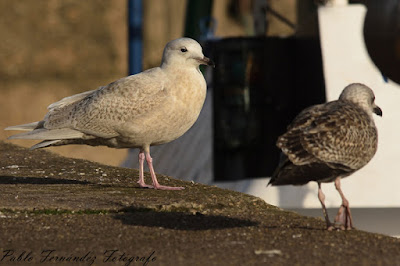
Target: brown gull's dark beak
<point x="377" y="110"/>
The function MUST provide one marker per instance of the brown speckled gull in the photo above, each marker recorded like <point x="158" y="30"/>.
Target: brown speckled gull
<point x="328" y="142"/>
<point x="150" y="108"/>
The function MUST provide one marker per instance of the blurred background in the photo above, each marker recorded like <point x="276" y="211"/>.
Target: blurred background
<point x="273" y="57"/>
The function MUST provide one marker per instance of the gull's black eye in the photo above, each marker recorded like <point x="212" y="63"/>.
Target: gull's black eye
<point x="183" y="50"/>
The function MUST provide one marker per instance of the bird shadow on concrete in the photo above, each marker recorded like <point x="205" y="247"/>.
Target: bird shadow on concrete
<point x="14" y="180"/>
<point x="178" y="220"/>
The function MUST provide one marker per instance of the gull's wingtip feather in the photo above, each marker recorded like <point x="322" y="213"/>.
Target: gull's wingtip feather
<point x="43" y="144"/>
<point x="52" y="134"/>
<point x="24" y="127"/>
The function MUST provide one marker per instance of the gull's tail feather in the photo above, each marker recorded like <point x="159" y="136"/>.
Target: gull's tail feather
<point x="24" y="127"/>
<point x="43" y="144"/>
<point x="49" y="134"/>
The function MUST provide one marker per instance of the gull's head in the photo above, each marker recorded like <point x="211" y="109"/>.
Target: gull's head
<point x="184" y="52"/>
<point x="361" y="95"/>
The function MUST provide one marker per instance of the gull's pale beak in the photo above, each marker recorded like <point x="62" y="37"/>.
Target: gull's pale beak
<point x="206" y="61"/>
<point x="377" y="110"/>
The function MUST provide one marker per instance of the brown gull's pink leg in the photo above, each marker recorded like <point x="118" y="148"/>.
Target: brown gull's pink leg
<point x="343" y="216"/>
<point x="321" y="197"/>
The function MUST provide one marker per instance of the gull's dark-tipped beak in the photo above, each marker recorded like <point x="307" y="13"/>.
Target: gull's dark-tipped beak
<point x="378" y="110"/>
<point x="207" y="61"/>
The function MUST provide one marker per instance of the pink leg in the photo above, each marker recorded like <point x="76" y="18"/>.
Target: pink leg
<point x="141" y="171"/>
<point x="344" y="215"/>
<point x="321" y="198"/>
<point x="156" y="185"/>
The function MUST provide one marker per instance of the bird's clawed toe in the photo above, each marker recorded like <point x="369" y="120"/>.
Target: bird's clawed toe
<point x="143" y="185"/>
<point x="343" y="219"/>
<point x="160" y="187"/>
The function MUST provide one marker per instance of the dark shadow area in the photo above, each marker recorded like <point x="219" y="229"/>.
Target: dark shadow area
<point x="179" y="220"/>
<point x="14" y="180"/>
<point x="310" y="228"/>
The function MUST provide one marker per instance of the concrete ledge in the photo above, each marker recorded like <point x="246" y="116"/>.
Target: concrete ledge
<point x="96" y="215"/>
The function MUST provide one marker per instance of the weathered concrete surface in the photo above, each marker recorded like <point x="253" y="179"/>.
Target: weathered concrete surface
<point x="83" y="209"/>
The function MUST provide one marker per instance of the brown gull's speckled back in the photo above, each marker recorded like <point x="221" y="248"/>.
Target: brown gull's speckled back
<point x="329" y="140"/>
